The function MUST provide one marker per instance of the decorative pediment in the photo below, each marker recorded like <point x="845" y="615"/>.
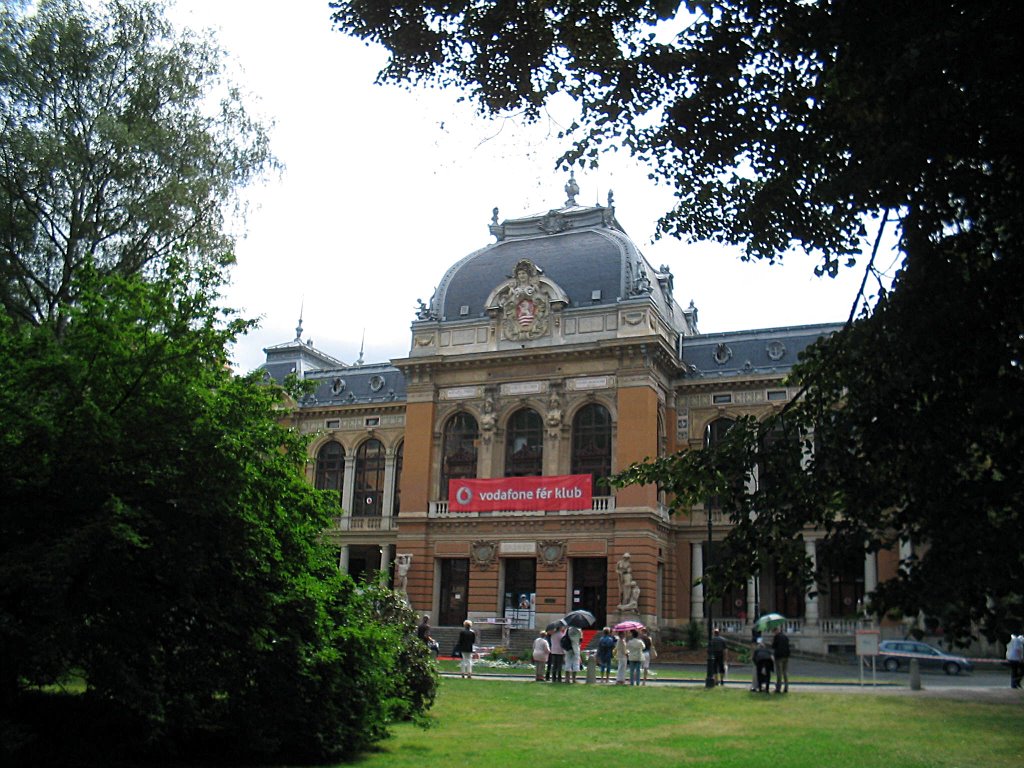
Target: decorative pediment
<point x="526" y="302"/>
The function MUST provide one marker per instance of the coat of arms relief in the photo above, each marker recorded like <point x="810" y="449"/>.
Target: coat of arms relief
<point x="526" y="303"/>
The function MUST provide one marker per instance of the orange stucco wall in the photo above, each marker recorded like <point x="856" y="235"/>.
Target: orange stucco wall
<point x="637" y="439"/>
<point x="419" y="426"/>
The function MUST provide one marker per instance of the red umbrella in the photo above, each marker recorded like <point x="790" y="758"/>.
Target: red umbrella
<point x="626" y="626"/>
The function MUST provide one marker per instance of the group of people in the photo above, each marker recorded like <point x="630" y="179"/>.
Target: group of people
<point x="558" y="652"/>
<point x="766" y="659"/>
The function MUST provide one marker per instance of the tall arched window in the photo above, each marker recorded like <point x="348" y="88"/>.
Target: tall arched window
<point x="592" y="445"/>
<point x="397" y="505"/>
<point x="330" y="468"/>
<point x="713" y="434"/>
<point x="458" y="453"/>
<point x="524" y="444"/>
<point x="368" y="496"/>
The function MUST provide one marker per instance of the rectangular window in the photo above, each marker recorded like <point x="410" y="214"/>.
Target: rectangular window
<point x="776" y="394"/>
<point x="373" y="421"/>
<point x="721" y="399"/>
<point x="333" y="424"/>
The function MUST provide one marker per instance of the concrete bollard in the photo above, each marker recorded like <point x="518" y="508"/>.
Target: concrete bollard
<point x="915" y="675"/>
<point x="592" y="668"/>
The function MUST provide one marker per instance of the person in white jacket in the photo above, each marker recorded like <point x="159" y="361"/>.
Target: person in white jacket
<point x="541" y="651"/>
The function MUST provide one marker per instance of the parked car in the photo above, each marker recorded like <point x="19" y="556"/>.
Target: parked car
<point x="896" y="655"/>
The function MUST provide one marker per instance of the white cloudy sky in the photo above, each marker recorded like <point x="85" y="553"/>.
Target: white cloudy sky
<point x="385" y="188"/>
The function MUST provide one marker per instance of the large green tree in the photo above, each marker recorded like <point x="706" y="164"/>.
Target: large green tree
<point x="810" y="125"/>
<point x="158" y="539"/>
<point x="121" y="145"/>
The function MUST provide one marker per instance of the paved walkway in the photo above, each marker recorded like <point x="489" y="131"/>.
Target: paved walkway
<point x="988" y="694"/>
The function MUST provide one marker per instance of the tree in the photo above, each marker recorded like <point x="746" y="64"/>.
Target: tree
<point x="113" y="149"/>
<point x="158" y="539"/>
<point x="783" y="125"/>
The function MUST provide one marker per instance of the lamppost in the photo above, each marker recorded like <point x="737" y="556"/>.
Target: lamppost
<point x="709" y="681"/>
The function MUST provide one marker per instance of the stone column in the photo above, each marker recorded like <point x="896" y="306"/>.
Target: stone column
<point x="348" y="492"/>
<point x="870" y="572"/>
<point x="385" y="558"/>
<point x="811" y="603"/>
<point x="343" y="559"/>
<point x="388" y="503"/>
<point x="752" y="607"/>
<point x="696" y="571"/>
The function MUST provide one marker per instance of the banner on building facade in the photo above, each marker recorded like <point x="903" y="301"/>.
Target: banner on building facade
<point x="527" y="494"/>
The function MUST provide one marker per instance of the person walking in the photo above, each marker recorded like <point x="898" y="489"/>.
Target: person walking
<point x="557" y="654"/>
<point x="573" y="653"/>
<point x="718" y="649"/>
<point x="650" y="654"/>
<point x="635" y="655"/>
<point x="621" y="659"/>
<point x="605" y="647"/>
<point x="780" y="648"/>
<point x="465" y="647"/>
<point x="541" y="654"/>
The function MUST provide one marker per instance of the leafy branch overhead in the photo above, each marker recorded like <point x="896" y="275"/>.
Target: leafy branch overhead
<point x="783" y="125"/>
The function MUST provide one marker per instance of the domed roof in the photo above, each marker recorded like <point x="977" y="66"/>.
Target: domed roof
<point x="581" y="250"/>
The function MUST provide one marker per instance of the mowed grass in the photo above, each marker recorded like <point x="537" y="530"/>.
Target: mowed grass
<point x="505" y="724"/>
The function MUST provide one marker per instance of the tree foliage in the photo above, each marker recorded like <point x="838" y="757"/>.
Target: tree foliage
<point x="158" y="538"/>
<point x="782" y="125"/>
<point x="114" y="150"/>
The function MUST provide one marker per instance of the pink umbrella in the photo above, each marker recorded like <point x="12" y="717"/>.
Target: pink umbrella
<point x="626" y="626"/>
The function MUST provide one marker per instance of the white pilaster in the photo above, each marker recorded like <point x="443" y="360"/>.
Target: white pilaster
<point x="811" y="603"/>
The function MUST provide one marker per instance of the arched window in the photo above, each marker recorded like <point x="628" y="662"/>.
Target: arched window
<point x="524" y="444"/>
<point x="397" y="505"/>
<point x="368" y="495"/>
<point x="330" y="468"/>
<point x="592" y="445"/>
<point x="713" y="434"/>
<point x="458" y="453"/>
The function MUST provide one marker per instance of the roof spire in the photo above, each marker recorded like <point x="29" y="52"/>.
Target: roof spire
<point x="571" y="189"/>
<point x="362" y="344"/>
<point x="298" y="328"/>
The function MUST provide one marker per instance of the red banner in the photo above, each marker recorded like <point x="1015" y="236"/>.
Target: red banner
<point x="559" y="492"/>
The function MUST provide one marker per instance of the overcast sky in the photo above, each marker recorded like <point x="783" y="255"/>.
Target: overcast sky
<point x="385" y="188"/>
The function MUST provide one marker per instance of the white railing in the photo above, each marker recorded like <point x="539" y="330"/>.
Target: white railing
<point x="349" y="523"/>
<point x="597" y="504"/>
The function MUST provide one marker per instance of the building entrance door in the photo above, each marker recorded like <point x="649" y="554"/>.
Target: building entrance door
<point x="454" y="592"/>
<point x="590" y="587"/>
<point x="520" y="591"/>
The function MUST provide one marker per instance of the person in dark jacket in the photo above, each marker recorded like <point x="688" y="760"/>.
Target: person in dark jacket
<point x="780" y="648"/>
<point x="467" y="639"/>
<point x="764" y="664"/>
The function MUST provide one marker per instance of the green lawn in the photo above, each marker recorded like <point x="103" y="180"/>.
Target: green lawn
<point x="504" y="724"/>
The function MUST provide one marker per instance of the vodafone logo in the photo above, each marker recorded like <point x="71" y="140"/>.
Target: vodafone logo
<point x="463" y="496"/>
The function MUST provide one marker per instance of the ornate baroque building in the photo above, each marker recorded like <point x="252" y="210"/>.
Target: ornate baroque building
<point x="556" y="352"/>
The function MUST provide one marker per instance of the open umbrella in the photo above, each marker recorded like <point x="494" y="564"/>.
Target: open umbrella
<point x="579" y="618"/>
<point x="553" y="626"/>
<point x="626" y="626"/>
<point x="769" y="621"/>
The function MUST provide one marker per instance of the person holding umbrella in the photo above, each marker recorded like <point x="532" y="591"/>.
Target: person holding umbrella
<point x="572" y="653"/>
<point x="780" y="647"/>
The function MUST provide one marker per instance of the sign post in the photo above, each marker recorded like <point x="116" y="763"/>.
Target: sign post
<point x="867" y="645"/>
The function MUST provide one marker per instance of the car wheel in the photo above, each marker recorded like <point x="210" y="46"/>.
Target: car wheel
<point x="952" y="668"/>
<point x="891" y="665"/>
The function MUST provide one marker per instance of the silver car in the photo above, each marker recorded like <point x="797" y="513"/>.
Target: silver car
<point x="896" y="655"/>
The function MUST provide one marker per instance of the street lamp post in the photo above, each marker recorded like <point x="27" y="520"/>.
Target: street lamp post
<point x="709" y="681"/>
